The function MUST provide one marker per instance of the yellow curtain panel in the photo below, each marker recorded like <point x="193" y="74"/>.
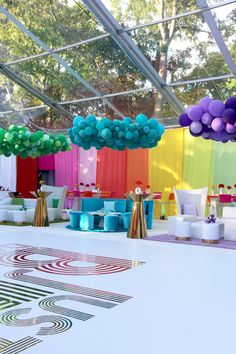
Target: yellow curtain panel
<point x="166" y="167"/>
<point x="197" y="164"/>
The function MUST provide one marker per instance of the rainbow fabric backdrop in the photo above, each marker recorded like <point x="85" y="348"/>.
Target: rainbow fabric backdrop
<point x="212" y="119"/>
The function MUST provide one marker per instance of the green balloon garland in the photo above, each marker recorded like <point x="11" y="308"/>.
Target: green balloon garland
<point x="18" y="140"/>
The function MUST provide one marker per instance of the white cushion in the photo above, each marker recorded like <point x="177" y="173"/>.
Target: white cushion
<point x="29" y="202"/>
<point x="3" y="215"/>
<point x="189" y="209"/>
<point x="10" y="207"/>
<point x="19" y="216"/>
<point x="229" y="212"/>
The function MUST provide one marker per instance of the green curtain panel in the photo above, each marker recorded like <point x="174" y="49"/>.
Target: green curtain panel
<point x="224" y="164"/>
<point x="197" y="171"/>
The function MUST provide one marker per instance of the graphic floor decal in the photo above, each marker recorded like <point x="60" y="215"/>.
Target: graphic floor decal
<point x="22" y="286"/>
<point x="8" y="347"/>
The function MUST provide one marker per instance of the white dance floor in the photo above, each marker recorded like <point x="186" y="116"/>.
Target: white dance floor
<point x="67" y="292"/>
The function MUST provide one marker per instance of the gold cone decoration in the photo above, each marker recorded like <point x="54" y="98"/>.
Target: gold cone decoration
<point x="41" y="210"/>
<point x="138" y="228"/>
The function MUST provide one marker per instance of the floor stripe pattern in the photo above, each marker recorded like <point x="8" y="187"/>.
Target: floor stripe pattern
<point x="8" y="347"/>
<point x="21" y="275"/>
<point x="59" y="324"/>
<point x="13" y="294"/>
<point x="61" y="265"/>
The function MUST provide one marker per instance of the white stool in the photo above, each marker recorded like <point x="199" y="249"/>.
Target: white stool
<point x="3" y="215"/>
<point x="19" y="217"/>
<point x="210" y="233"/>
<point x="196" y="230"/>
<point x="183" y="231"/>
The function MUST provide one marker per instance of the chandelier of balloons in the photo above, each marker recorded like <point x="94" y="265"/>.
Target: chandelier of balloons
<point x="211" y="119"/>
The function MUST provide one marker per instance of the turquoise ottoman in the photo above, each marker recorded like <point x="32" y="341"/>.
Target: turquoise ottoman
<point x="111" y="222"/>
<point x="75" y="219"/>
<point x="126" y="220"/>
<point x="86" y="222"/>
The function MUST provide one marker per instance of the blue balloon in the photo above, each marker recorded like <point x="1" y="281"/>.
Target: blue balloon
<point x="141" y="119"/>
<point x="88" y="131"/>
<point x="106" y="134"/>
<point x="117" y="134"/>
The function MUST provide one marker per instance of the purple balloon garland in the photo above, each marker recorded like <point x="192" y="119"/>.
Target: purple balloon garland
<point x="211" y="119"/>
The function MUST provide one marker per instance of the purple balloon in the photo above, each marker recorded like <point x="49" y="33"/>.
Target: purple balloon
<point x="196" y="127"/>
<point x="206" y="136"/>
<point x="206" y="129"/>
<point x="231" y="102"/>
<point x="207" y="118"/>
<point x="195" y="112"/>
<point x="229" y="116"/>
<point x="218" y="136"/>
<point x="230" y="128"/>
<point x="184" y="120"/>
<point x="195" y="134"/>
<point x="204" y="103"/>
<point x="216" y="108"/>
<point x="217" y="124"/>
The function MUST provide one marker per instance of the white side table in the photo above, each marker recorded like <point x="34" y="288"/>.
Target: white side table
<point x="210" y="233"/>
<point x="197" y="229"/>
<point x="183" y="231"/>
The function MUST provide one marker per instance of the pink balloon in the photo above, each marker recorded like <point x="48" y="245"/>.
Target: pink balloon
<point x="217" y="124"/>
<point x="230" y="128"/>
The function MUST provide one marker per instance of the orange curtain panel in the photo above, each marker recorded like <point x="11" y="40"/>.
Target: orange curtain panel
<point x="137" y="168"/>
<point x="111" y="171"/>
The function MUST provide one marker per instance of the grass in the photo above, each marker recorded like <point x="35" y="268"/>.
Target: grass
<point x="11" y="223"/>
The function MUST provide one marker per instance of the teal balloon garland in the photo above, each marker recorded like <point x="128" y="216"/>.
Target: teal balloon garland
<point x="115" y="134"/>
<point x="18" y="140"/>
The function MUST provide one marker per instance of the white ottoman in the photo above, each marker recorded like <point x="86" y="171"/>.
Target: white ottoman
<point x="197" y="229"/>
<point x="51" y="214"/>
<point x="183" y="230"/>
<point x="10" y="214"/>
<point x="172" y="221"/>
<point x="210" y="233"/>
<point x="19" y="217"/>
<point x="3" y="215"/>
<point x="29" y="215"/>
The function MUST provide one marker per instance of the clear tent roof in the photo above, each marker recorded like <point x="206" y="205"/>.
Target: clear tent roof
<point x="112" y="58"/>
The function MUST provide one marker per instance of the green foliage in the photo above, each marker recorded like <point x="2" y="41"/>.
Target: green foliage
<point x="18" y="140"/>
<point x="179" y="50"/>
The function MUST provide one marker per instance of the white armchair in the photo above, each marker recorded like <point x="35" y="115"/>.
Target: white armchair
<point x="196" y="198"/>
<point x="58" y="193"/>
<point x="229" y="219"/>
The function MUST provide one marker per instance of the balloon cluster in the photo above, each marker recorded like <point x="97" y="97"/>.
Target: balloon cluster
<point x="116" y="134"/>
<point x="18" y="140"/>
<point x="212" y="119"/>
